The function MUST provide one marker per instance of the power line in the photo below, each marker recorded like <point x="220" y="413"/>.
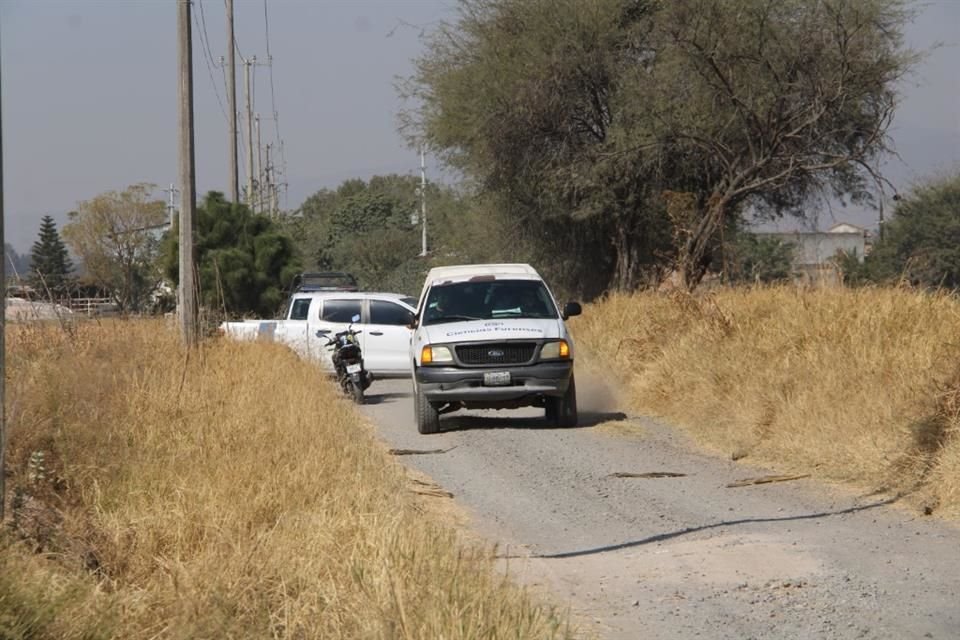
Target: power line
<point x="273" y="97"/>
<point x="278" y="139"/>
<point x="207" y="56"/>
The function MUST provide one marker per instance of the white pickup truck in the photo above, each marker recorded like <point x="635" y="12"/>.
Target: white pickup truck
<point x="491" y="336"/>
<point x="312" y="317"/>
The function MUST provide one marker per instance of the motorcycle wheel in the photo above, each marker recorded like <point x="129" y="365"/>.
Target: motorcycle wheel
<point x="355" y="392"/>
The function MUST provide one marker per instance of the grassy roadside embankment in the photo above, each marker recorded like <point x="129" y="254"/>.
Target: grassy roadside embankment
<point x="228" y="495"/>
<point x="854" y="385"/>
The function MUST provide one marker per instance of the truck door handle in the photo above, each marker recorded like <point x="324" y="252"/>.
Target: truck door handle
<point x="376" y="333"/>
<point x="322" y="332"/>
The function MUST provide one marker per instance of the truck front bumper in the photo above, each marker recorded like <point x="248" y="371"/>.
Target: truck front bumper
<point x="452" y="384"/>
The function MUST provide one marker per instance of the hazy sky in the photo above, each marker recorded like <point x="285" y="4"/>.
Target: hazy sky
<point x="90" y="96"/>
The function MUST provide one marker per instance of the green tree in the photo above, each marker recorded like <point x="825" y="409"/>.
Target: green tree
<point x="856" y="271"/>
<point x="921" y="242"/>
<point x="50" y="264"/>
<point x="618" y="129"/>
<point x="759" y="259"/>
<point x="245" y="261"/>
<point x="365" y="228"/>
<point x="523" y="97"/>
<point x="774" y="103"/>
<point x="117" y="235"/>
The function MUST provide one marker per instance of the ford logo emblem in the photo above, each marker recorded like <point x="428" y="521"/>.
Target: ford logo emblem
<point x="495" y="353"/>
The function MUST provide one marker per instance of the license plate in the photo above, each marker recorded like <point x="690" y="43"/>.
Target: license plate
<point x="496" y="379"/>
<point x="353" y="368"/>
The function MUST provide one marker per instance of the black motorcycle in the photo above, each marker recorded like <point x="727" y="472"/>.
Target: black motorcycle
<point x="347" y="359"/>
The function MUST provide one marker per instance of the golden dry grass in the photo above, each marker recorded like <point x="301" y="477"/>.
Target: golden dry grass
<point x="231" y="495"/>
<point x="858" y="385"/>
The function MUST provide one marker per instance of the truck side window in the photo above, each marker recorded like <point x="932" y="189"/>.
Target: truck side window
<point x="388" y="313"/>
<point x="340" y="310"/>
<point x="299" y="309"/>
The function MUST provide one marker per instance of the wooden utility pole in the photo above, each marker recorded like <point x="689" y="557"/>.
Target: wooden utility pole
<point x="3" y="330"/>
<point x="232" y="99"/>
<point x="423" y="201"/>
<point x="187" y="291"/>
<point x="270" y="187"/>
<point x="258" y="201"/>
<point x="247" y="64"/>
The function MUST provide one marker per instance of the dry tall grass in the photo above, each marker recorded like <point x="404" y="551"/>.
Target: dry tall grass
<point x="231" y="495"/>
<point x="860" y="385"/>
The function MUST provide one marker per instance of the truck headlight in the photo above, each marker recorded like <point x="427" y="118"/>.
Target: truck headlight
<point x="558" y="350"/>
<point x="435" y="355"/>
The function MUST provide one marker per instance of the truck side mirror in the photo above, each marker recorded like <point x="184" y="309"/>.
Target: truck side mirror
<point x="571" y="309"/>
<point x="412" y="321"/>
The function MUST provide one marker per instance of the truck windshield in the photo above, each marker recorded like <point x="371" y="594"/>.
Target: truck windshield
<point x="488" y="300"/>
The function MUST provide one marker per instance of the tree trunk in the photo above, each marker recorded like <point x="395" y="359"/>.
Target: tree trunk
<point x="693" y="258"/>
<point x="627" y="265"/>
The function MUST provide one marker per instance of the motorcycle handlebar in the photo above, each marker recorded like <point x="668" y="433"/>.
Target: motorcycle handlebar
<point x="333" y="341"/>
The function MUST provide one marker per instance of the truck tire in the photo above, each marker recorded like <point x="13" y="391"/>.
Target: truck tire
<point x="550" y="409"/>
<point x="427" y="416"/>
<point x="562" y="411"/>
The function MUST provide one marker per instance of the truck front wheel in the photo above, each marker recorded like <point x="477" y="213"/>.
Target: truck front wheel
<point x="427" y="416"/>
<point x="562" y="411"/>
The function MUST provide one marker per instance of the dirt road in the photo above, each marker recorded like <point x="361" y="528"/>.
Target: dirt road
<point x="683" y="556"/>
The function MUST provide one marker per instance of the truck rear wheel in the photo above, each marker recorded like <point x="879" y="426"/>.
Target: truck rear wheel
<point x="427" y="416"/>
<point x="562" y="411"/>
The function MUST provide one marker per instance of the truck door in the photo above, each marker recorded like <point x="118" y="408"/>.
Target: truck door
<point x="386" y="338"/>
<point x="293" y="330"/>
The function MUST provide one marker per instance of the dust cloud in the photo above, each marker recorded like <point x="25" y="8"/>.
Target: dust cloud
<point x="599" y="394"/>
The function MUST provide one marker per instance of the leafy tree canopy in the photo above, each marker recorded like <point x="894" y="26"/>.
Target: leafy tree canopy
<point x="760" y="259"/>
<point x="367" y="228"/>
<point x="921" y="242"/>
<point x="117" y="235"/>
<point x="245" y="261"/>
<point x="624" y="133"/>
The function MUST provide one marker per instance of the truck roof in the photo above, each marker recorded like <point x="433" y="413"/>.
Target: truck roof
<point x="459" y="273"/>
<point x="325" y="281"/>
<point x="351" y="295"/>
<point x="464" y="272"/>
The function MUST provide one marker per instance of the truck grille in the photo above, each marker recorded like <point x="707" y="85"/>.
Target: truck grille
<point x="496" y="353"/>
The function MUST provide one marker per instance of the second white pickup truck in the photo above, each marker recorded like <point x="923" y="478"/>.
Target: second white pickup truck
<point x="312" y="317"/>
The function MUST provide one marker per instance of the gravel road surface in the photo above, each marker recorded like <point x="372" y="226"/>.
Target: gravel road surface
<point x="682" y="557"/>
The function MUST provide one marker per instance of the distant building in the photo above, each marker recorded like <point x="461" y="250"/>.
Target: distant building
<point x="846" y="227"/>
<point x="815" y="252"/>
